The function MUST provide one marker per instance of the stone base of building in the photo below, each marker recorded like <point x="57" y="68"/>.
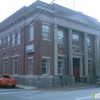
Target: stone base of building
<point x="72" y="79"/>
<point x="45" y="81"/>
<point x="38" y="81"/>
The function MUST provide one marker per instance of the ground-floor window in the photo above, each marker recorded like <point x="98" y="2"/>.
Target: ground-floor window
<point x="15" y="65"/>
<point x="89" y="67"/>
<point x="45" y="66"/>
<point x="30" y="65"/>
<point x="60" y="65"/>
<point x="5" y="66"/>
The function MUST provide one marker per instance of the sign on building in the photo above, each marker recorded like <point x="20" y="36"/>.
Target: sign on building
<point x="30" y="48"/>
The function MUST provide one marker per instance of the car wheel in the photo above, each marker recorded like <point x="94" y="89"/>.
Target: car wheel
<point x="13" y="86"/>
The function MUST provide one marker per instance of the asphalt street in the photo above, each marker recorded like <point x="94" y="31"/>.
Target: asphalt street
<point x="27" y="94"/>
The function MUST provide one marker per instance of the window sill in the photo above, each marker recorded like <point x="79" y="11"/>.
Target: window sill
<point x="46" y="39"/>
<point x="30" y="40"/>
<point x="76" y="46"/>
<point x="61" y="43"/>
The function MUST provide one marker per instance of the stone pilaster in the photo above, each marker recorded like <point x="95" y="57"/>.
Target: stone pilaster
<point x="70" y="52"/>
<point x="97" y="55"/>
<point x="85" y="54"/>
<point x="55" y="51"/>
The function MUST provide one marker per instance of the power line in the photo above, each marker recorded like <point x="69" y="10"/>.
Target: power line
<point x="28" y="24"/>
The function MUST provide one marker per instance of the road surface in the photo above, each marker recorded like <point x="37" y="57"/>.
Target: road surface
<point x="24" y="94"/>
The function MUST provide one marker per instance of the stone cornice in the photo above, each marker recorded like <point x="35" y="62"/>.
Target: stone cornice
<point x="69" y="23"/>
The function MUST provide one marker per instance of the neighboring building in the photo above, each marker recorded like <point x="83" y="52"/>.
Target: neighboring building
<point x="59" y="42"/>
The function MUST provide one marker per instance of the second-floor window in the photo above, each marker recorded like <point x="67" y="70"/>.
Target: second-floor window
<point x="18" y="38"/>
<point x="60" y="36"/>
<point x="46" y="32"/>
<point x="8" y="41"/>
<point x="75" y="39"/>
<point x="89" y="42"/>
<point x="31" y="33"/>
<point x="4" y="43"/>
<point x="0" y="44"/>
<point x="13" y="40"/>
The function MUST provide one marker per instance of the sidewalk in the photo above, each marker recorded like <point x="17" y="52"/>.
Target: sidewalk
<point x="25" y="87"/>
<point x="69" y="87"/>
<point x="58" y="88"/>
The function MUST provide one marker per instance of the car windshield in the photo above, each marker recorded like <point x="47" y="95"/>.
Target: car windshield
<point x="6" y="76"/>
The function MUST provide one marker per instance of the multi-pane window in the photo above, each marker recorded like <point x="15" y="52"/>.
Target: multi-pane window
<point x="45" y="31"/>
<point x="8" y="41"/>
<point x="45" y="66"/>
<point x="89" y="42"/>
<point x="13" y="40"/>
<point x="60" y="65"/>
<point x="3" y="43"/>
<point x="0" y="44"/>
<point x="15" y="65"/>
<point x="75" y="39"/>
<point x="60" y="36"/>
<point x="5" y="66"/>
<point x="31" y="33"/>
<point x="89" y="67"/>
<point x="18" y="38"/>
<point x="30" y="66"/>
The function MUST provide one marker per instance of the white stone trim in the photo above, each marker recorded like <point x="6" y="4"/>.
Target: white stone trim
<point x="15" y="56"/>
<point x="45" y="23"/>
<point x="46" y="57"/>
<point x="8" y="34"/>
<point x="31" y="25"/>
<point x="46" y="39"/>
<point x="45" y="75"/>
<point x="13" y="33"/>
<point x="30" y="57"/>
<point x="62" y="55"/>
<point x="5" y="57"/>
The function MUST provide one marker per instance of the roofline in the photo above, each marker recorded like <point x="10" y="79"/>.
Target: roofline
<point x="46" y="10"/>
<point x="25" y="14"/>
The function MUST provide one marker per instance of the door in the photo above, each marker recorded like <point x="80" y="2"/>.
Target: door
<point x="76" y="69"/>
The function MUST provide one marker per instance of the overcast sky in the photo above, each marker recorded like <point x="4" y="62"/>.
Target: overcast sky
<point x="88" y="7"/>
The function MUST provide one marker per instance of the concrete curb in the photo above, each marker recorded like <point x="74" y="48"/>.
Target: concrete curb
<point x="67" y="89"/>
<point x="56" y="88"/>
<point x="25" y="87"/>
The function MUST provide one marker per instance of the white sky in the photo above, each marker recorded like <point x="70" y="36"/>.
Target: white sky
<point x="88" y="7"/>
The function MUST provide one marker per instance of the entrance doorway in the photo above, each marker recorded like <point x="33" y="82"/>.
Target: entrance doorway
<point x="76" y="69"/>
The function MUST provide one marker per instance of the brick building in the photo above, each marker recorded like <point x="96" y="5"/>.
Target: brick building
<point x="59" y="42"/>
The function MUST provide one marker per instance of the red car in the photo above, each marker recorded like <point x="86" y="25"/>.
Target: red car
<point x="6" y="80"/>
